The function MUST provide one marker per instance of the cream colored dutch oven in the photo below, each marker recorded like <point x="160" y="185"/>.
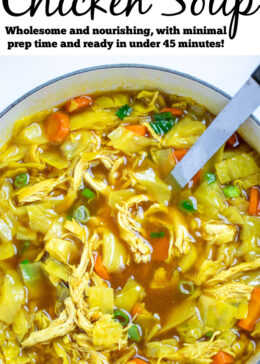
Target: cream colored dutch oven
<point x="131" y="77"/>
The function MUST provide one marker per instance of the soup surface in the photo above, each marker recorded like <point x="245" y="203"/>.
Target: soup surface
<point x="101" y="263"/>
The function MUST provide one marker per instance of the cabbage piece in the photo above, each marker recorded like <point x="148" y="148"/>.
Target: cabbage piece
<point x="120" y="99"/>
<point x="188" y="260"/>
<point x="131" y="293"/>
<point x="129" y="142"/>
<point x="160" y="279"/>
<point x="182" y="237"/>
<point x="61" y="353"/>
<point x="101" y="298"/>
<point x="54" y="159"/>
<point x="233" y="215"/>
<point x="191" y="330"/>
<point x="161" y="349"/>
<point x="116" y="197"/>
<point x="218" y="233"/>
<point x="77" y="142"/>
<point x="7" y="250"/>
<point x="12" y="297"/>
<point x="235" y="293"/>
<point x="62" y="250"/>
<point x="216" y="158"/>
<point x="32" y="134"/>
<point x="240" y="166"/>
<point x="8" y="226"/>
<point x="115" y="255"/>
<point x="40" y="217"/>
<point x="56" y="271"/>
<point x="149" y="323"/>
<point x="100" y="120"/>
<point x="216" y="314"/>
<point x="256" y="332"/>
<point x="250" y="235"/>
<point x="158" y="189"/>
<point x="179" y="313"/>
<point x="165" y="161"/>
<point x="107" y="333"/>
<point x="251" y="278"/>
<point x="113" y="101"/>
<point x="248" y="182"/>
<point x="184" y="134"/>
<point x="12" y="153"/>
<point x="147" y="101"/>
<point x="210" y="199"/>
<point x="104" y="102"/>
<point x="24" y="233"/>
<point x="21" y="325"/>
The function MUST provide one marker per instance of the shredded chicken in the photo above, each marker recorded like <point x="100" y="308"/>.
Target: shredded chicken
<point x="97" y="184"/>
<point x="59" y="327"/>
<point x="202" y="352"/>
<point x="182" y="237"/>
<point x="130" y="229"/>
<point x="207" y="269"/>
<point x="218" y="233"/>
<point x="96" y="327"/>
<point x="114" y="172"/>
<point x="38" y="190"/>
<point x="230" y="273"/>
<point x="230" y="292"/>
<point x="79" y="170"/>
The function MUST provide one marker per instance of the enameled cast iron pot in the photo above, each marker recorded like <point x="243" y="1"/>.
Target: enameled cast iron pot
<point x="127" y="76"/>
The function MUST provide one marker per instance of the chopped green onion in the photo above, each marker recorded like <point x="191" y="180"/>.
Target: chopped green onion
<point x="160" y="234"/>
<point x="163" y="123"/>
<point x="21" y="180"/>
<point x="122" y="317"/>
<point x="24" y="247"/>
<point x="26" y="261"/>
<point x="30" y="271"/>
<point x="135" y="333"/>
<point x="69" y="217"/>
<point x="210" y="177"/>
<point x="231" y="191"/>
<point x="209" y="334"/>
<point x="187" y="206"/>
<point x="81" y="214"/>
<point x="88" y="193"/>
<point x="186" y="287"/>
<point x="124" y="111"/>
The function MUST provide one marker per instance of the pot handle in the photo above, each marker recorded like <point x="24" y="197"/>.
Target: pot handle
<point x="256" y="75"/>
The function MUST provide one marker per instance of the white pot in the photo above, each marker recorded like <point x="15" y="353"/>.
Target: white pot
<point x="128" y="77"/>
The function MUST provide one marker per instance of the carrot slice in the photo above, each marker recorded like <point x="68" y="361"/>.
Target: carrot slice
<point x="160" y="249"/>
<point x="253" y="314"/>
<point x="57" y="127"/>
<point x="174" y="110"/>
<point x="138" y="308"/>
<point x="137" y="361"/>
<point x="78" y="103"/>
<point x="233" y="141"/>
<point x="137" y="129"/>
<point x="196" y="178"/>
<point x="222" y="358"/>
<point x="254" y="201"/>
<point x="100" y="269"/>
<point x="179" y="154"/>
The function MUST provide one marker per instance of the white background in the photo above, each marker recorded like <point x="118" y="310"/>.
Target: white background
<point x="19" y="75"/>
